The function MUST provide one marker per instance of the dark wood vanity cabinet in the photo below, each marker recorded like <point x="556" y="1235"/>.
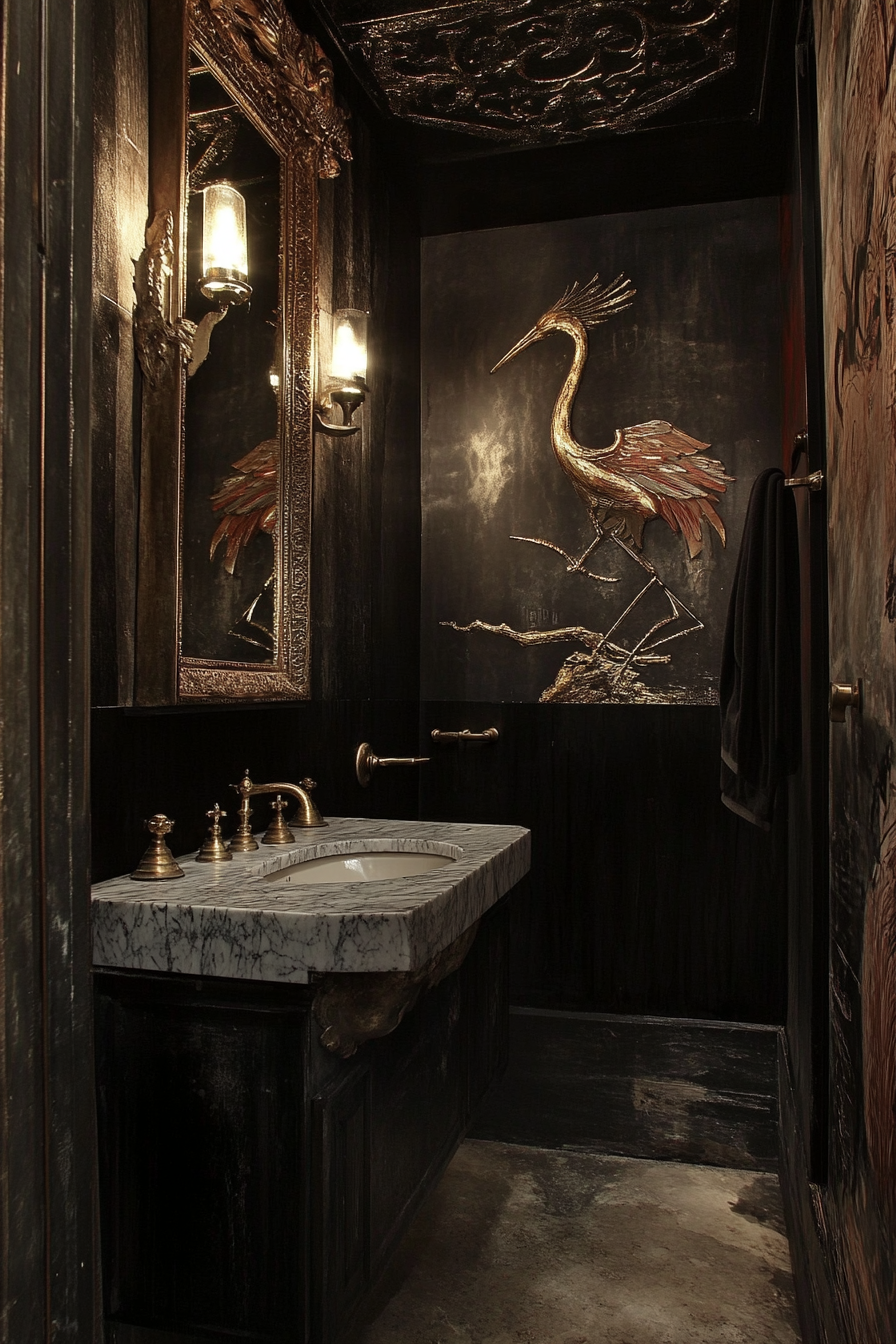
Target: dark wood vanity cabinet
<point x="253" y="1185"/>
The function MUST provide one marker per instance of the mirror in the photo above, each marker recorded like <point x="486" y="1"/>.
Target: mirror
<point x="243" y="122"/>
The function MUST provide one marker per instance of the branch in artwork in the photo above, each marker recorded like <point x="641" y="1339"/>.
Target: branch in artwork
<point x="591" y="639"/>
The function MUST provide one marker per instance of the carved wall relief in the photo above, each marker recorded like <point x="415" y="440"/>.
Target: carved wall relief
<point x="546" y="522"/>
<point x="530" y="71"/>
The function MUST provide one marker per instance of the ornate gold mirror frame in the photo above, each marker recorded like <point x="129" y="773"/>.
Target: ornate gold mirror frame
<point x="281" y="83"/>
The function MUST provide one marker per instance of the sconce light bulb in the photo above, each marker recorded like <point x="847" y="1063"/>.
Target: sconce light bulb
<point x="225" y="262"/>
<point x="275" y="381"/>
<point x="348" y="370"/>
<point x="349" y="344"/>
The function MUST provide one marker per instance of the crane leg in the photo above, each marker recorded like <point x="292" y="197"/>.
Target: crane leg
<point x="647" y="643"/>
<point x="575" y="566"/>
<point x="572" y="565"/>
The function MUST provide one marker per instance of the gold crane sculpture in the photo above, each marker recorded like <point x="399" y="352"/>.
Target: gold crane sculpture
<point x="649" y="471"/>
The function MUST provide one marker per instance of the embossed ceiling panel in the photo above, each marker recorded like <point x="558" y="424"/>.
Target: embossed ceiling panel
<point x="533" y="72"/>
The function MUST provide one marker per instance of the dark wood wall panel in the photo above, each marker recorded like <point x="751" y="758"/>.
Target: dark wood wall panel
<point x="646" y="895"/>
<point x="845" y="1225"/>
<point x="808" y="1011"/>
<point x="366" y="516"/>
<point x="47" y="1129"/>
<point x="805" y="1215"/>
<point x="664" y="1089"/>
<point x="121" y="186"/>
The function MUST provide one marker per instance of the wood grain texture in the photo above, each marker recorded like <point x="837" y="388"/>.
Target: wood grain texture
<point x="47" y="1129"/>
<point x="805" y="1214"/>
<point x="254" y="1185"/>
<point x="664" y="1089"/>
<point x="645" y="894"/>
<point x="857" y="145"/>
<point x="121" y="187"/>
<point x="366" y="517"/>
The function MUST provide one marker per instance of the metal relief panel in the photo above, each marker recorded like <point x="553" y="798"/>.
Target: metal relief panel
<point x="567" y="558"/>
<point x="532" y="71"/>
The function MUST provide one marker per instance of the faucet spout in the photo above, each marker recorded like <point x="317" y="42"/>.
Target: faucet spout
<point x="307" y="813"/>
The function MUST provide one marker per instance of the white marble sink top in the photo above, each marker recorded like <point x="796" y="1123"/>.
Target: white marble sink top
<point x="232" y="920"/>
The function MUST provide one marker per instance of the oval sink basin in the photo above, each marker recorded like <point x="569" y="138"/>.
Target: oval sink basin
<point x="364" y="866"/>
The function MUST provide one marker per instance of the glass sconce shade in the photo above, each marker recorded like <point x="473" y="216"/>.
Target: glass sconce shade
<point x="346" y="385"/>
<point x="225" y="264"/>
<point x="349" y="362"/>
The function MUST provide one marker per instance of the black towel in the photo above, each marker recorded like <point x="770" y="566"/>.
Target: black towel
<point x="759" y="684"/>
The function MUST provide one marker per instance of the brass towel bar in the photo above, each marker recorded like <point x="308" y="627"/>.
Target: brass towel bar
<point x="490" y="735"/>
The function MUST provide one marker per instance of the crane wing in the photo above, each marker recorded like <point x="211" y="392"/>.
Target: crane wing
<point x="248" y="501"/>
<point x="670" y="467"/>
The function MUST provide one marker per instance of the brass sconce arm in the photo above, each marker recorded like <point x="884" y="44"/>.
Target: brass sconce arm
<point x="224" y="280"/>
<point x="348" y="398"/>
<point x="203" y="336"/>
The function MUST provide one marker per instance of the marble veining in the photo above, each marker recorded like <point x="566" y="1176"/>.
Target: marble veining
<point x="226" y="920"/>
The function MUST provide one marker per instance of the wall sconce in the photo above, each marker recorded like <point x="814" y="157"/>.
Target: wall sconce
<point x="225" y="264"/>
<point x="346" y="383"/>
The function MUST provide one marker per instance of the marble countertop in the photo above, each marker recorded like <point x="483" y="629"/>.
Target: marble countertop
<point x="226" y="920"/>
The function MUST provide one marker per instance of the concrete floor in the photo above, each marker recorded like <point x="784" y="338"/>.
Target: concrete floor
<point x="529" y="1246"/>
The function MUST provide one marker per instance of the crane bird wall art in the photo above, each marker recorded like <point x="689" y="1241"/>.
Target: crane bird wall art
<point x="651" y="472"/>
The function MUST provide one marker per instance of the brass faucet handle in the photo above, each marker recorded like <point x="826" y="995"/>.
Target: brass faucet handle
<point x="213" y="848"/>
<point x="159" y="825"/>
<point x="158" y="863"/>
<point x="308" y="784"/>
<point x="278" y="833"/>
<point x="243" y="841"/>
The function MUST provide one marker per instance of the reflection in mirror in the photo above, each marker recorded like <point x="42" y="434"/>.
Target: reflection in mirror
<point x="243" y="121"/>
<point x="231" y="414"/>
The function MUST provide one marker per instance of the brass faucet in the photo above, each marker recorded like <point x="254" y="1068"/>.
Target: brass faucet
<point x="306" y="813"/>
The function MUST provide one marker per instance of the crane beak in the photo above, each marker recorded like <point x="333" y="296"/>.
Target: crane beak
<point x="529" y="339"/>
